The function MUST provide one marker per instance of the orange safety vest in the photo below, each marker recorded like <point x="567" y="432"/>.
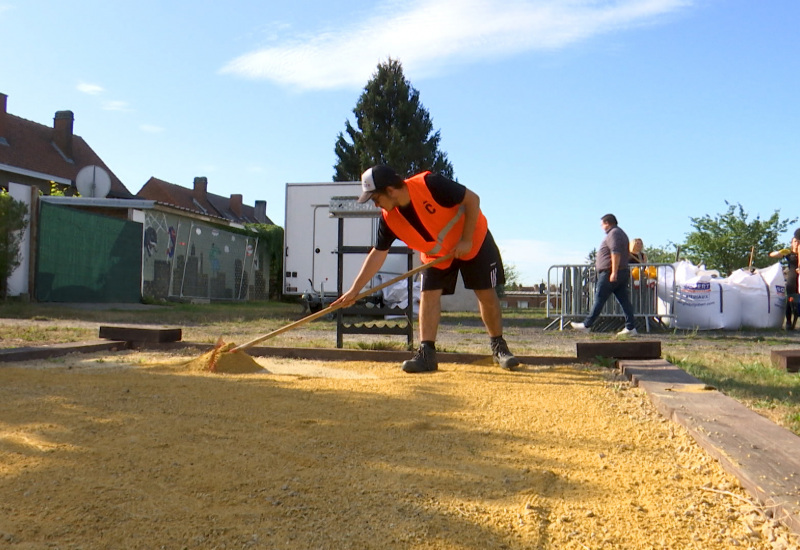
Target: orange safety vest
<point x="444" y="224"/>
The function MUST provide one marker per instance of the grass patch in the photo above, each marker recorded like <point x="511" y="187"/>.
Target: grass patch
<point x="792" y="421"/>
<point x="171" y="313"/>
<point x="772" y="392"/>
<point x="380" y="345"/>
<point x="605" y="362"/>
<point x="34" y="335"/>
<point x="526" y="318"/>
<point x="469" y="330"/>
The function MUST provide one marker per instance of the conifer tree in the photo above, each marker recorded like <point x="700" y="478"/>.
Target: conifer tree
<point x="393" y="128"/>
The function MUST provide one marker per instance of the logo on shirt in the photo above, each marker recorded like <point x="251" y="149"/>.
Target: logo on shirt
<point x="429" y="207"/>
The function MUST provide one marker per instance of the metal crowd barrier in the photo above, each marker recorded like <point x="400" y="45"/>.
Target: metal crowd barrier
<point x="571" y="291"/>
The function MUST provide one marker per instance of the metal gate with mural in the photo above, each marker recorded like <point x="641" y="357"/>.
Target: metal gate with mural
<point x="186" y="259"/>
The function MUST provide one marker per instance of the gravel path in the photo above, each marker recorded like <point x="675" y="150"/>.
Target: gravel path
<point x="134" y="450"/>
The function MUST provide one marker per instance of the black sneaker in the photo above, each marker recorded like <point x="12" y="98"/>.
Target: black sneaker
<point x="424" y="360"/>
<point x="502" y="356"/>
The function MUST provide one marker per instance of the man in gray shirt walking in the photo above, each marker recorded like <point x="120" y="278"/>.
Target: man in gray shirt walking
<point x="613" y="276"/>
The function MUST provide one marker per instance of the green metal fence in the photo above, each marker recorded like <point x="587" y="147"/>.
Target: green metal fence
<point x="86" y="257"/>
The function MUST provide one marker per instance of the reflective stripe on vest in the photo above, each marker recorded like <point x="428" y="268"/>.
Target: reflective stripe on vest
<point x="445" y="230"/>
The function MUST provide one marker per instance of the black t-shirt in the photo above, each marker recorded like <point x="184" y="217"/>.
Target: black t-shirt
<point x="444" y="191"/>
<point x="791" y="276"/>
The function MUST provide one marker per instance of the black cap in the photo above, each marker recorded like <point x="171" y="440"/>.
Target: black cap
<point x="797" y="234"/>
<point x="377" y="178"/>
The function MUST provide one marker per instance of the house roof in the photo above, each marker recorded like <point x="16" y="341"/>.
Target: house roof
<point x="200" y="201"/>
<point x="29" y="147"/>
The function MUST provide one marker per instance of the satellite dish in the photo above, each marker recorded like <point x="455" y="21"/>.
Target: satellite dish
<point x="93" y="181"/>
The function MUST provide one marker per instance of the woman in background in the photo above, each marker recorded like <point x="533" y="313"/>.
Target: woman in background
<point x="637" y="255"/>
<point x="789" y="257"/>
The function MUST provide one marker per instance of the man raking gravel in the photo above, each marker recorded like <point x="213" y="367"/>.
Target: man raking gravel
<point x="437" y="217"/>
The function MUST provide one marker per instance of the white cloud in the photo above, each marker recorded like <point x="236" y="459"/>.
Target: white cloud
<point x="115" y="106"/>
<point x="91" y="89"/>
<point x="107" y="105"/>
<point x="426" y="35"/>
<point x="532" y="259"/>
<point x="151" y="128"/>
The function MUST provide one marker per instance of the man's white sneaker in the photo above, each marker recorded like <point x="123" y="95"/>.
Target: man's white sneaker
<point x="580" y="327"/>
<point x="628" y="332"/>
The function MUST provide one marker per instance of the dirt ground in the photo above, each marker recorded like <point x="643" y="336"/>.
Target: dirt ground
<point x="136" y="450"/>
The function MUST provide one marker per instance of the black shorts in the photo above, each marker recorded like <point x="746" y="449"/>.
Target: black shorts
<point x="483" y="271"/>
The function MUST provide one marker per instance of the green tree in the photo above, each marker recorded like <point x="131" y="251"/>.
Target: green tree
<point x="394" y="128"/>
<point x="661" y="254"/>
<point x="726" y="241"/>
<point x="655" y="255"/>
<point x="13" y="219"/>
<point x="270" y="244"/>
<point x="512" y="276"/>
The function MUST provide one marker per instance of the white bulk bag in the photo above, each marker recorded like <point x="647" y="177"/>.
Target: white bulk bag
<point x="665" y="282"/>
<point x="681" y="272"/>
<point x="706" y="303"/>
<point x="763" y="296"/>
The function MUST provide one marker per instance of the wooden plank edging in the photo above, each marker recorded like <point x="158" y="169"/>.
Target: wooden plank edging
<point x="58" y="350"/>
<point x="318" y="354"/>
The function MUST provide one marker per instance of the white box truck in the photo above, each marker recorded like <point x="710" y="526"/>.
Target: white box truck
<point x="311" y="237"/>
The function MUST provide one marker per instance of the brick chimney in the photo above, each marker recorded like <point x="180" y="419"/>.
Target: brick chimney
<point x="62" y="132"/>
<point x="200" y="188"/>
<point x="236" y="205"/>
<point x="260" y="211"/>
<point x="3" y="104"/>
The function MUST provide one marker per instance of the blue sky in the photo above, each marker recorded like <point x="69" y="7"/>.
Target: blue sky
<point x="554" y="112"/>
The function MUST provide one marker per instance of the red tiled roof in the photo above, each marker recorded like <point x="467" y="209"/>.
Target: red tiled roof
<point x="183" y="197"/>
<point x="30" y="147"/>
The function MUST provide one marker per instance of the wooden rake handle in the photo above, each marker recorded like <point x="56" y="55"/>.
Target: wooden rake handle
<point x="333" y="307"/>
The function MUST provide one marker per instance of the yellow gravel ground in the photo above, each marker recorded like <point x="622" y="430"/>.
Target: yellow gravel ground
<point x="134" y="450"/>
